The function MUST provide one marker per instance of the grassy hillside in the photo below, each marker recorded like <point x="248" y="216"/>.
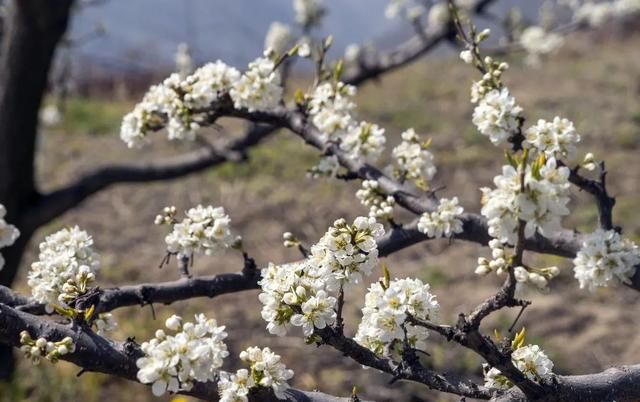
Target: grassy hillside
<point x="594" y="83"/>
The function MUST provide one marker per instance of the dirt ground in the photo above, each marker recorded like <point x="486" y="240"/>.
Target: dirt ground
<point x="594" y="81"/>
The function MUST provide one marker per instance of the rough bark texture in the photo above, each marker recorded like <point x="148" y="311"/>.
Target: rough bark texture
<point x="32" y="32"/>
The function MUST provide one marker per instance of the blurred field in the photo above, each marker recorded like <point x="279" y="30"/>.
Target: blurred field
<point x="595" y="82"/>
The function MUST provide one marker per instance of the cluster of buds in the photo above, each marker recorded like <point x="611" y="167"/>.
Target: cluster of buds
<point x="290" y="240"/>
<point x="492" y="78"/>
<point x="380" y="204"/>
<point x="534" y="278"/>
<point x="499" y="263"/>
<point x="75" y="287"/>
<point x="167" y="217"/>
<point x="39" y="348"/>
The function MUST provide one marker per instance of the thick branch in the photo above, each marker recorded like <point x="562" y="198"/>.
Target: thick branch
<point x="57" y="202"/>
<point x="618" y="384"/>
<point x="598" y="189"/>
<point x="97" y="354"/>
<point x="413" y="372"/>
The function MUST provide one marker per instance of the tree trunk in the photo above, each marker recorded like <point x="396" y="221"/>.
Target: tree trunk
<point x="32" y="29"/>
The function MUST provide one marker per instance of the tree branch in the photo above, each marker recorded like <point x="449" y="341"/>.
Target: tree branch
<point x="52" y="205"/>
<point x="97" y="354"/>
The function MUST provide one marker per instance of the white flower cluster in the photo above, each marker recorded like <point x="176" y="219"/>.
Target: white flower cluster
<point x="346" y="252"/>
<point x="605" y="255"/>
<point x="289" y="288"/>
<point x="444" y="221"/>
<point x="541" y="205"/>
<point x="8" y="233"/>
<point x="557" y="138"/>
<point x="299" y="294"/>
<point x="309" y="13"/>
<point x="526" y="278"/>
<point x="537" y="41"/>
<point x="537" y="279"/>
<point x="174" y="362"/>
<point x="364" y="141"/>
<point x="384" y="329"/>
<point x="278" y="38"/>
<point x="180" y="101"/>
<point x="175" y="99"/>
<point x="414" y="159"/>
<point x="205" y="230"/>
<point x="499" y="262"/>
<point x="259" y="87"/>
<point x="266" y="370"/>
<point x="496" y="115"/>
<point x="36" y="349"/>
<point x="66" y="266"/>
<point x="530" y="360"/>
<point x="331" y="108"/>
<point x="380" y="205"/>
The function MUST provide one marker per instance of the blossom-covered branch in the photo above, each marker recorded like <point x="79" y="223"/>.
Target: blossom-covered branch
<point x="94" y="353"/>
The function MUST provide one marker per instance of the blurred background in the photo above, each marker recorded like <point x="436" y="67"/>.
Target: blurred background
<point x="115" y="49"/>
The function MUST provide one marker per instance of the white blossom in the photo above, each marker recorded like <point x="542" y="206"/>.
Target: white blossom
<point x="175" y="100"/>
<point x="365" y="142"/>
<point x="204" y="230"/>
<point x="267" y="369"/>
<point x="413" y="157"/>
<point x="541" y="205"/>
<point x="304" y="50"/>
<point x="346" y="252"/>
<point x="278" y="38"/>
<point x="66" y="266"/>
<point x="235" y="387"/>
<point x="316" y="312"/>
<point x="499" y="262"/>
<point x="530" y="360"/>
<point x="331" y="108"/>
<point x="536" y="41"/>
<point x="300" y="294"/>
<point x="496" y="115"/>
<point x="466" y="56"/>
<point x="603" y="257"/>
<point x="207" y="84"/>
<point x="258" y="89"/>
<point x="380" y="205"/>
<point x="536" y="279"/>
<point x="174" y="362"/>
<point x="444" y="221"/>
<point x="309" y="13"/>
<point x="557" y="138"/>
<point x="385" y="313"/>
